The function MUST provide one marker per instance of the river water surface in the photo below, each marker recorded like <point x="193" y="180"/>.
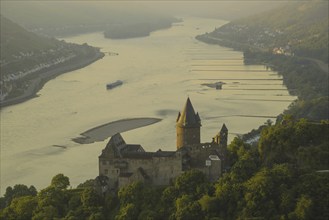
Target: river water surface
<point x="159" y="72"/>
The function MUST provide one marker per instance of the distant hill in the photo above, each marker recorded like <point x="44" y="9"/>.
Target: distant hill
<point x="138" y="29"/>
<point x="61" y="18"/>
<point x="29" y="60"/>
<point x="299" y="28"/>
<point x="15" y="40"/>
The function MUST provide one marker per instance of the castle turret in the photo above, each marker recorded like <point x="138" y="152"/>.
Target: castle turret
<point x="188" y="125"/>
<point x="221" y="137"/>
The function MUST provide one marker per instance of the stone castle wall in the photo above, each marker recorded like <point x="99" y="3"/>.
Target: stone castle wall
<point x="187" y="136"/>
<point x="159" y="170"/>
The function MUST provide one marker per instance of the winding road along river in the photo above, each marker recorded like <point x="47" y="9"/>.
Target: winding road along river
<point x="159" y="72"/>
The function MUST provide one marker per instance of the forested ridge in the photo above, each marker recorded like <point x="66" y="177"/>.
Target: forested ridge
<point x="29" y="60"/>
<point x="290" y="40"/>
<point x="284" y="177"/>
<point x="299" y="28"/>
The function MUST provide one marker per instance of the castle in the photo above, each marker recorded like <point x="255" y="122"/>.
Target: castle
<point x="125" y="163"/>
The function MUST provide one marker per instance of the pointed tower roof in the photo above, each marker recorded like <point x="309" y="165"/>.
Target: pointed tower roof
<point x="114" y="146"/>
<point x="188" y="116"/>
<point x="224" y="128"/>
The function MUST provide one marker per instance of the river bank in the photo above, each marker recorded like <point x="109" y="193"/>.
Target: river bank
<point x="37" y="83"/>
<point x="310" y="85"/>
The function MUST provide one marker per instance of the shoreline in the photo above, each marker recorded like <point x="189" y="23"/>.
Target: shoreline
<point x="38" y="83"/>
<point x="104" y="131"/>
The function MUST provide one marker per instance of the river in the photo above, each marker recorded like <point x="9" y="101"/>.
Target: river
<point x="159" y="73"/>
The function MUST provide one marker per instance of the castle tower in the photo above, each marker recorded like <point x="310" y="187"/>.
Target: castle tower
<point x="188" y="125"/>
<point x="221" y="137"/>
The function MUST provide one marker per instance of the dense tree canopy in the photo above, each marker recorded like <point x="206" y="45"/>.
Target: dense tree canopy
<point x="285" y="177"/>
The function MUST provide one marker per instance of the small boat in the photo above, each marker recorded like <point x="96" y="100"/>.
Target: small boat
<point x="218" y="85"/>
<point x="114" y="84"/>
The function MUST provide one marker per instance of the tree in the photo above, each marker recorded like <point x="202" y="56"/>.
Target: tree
<point x="90" y="198"/>
<point x="209" y="205"/>
<point x="304" y="208"/>
<point x="96" y="216"/>
<point x="21" y="208"/>
<point x="60" y="181"/>
<point x="47" y="212"/>
<point x="19" y="190"/>
<point x="187" y="208"/>
<point x="258" y="196"/>
<point x="192" y="182"/>
<point x="265" y="190"/>
<point x="148" y="214"/>
<point x="87" y="184"/>
<point x="133" y="193"/>
<point x="127" y="212"/>
<point x="167" y="201"/>
<point x="53" y="200"/>
<point x="229" y="194"/>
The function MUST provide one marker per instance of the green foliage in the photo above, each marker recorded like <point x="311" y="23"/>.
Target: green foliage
<point x="264" y="191"/>
<point x="303" y="208"/>
<point x="290" y="142"/>
<point x="51" y="201"/>
<point x="96" y="216"/>
<point x="128" y="211"/>
<point x="187" y="208"/>
<point x="19" y="190"/>
<point x="278" y="180"/>
<point x="303" y="26"/>
<point x="193" y="183"/>
<point x="314" y="109"/>
<point x="90" y="198"/>
<point x="302" y="76"/>
<point x="60" y="181"/>
<point x="87" y="184"/>
<point x="132" y="193"/>
<point x="209" y="205"/>
<point x="148" y="214"/>
<point x="314" y="186"/>
<point x="21" y="208"/>
<point x="47" y="212"/>
<point x="244" y="160"/>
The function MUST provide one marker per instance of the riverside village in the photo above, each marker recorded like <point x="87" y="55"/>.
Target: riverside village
<point x="121" y="163"/>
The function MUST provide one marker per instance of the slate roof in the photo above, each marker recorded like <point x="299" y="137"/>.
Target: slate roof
<point x="116" y="147"/>
<point x="224" y="128"/>
<point x="132" y="148"/>
<point x="188" y="117"/>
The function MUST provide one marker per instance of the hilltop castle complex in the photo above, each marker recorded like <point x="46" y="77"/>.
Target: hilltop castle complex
<point x="124" y="163"/>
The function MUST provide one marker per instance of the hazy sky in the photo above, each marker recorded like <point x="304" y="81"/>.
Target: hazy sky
<point x="221" y="9"/>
